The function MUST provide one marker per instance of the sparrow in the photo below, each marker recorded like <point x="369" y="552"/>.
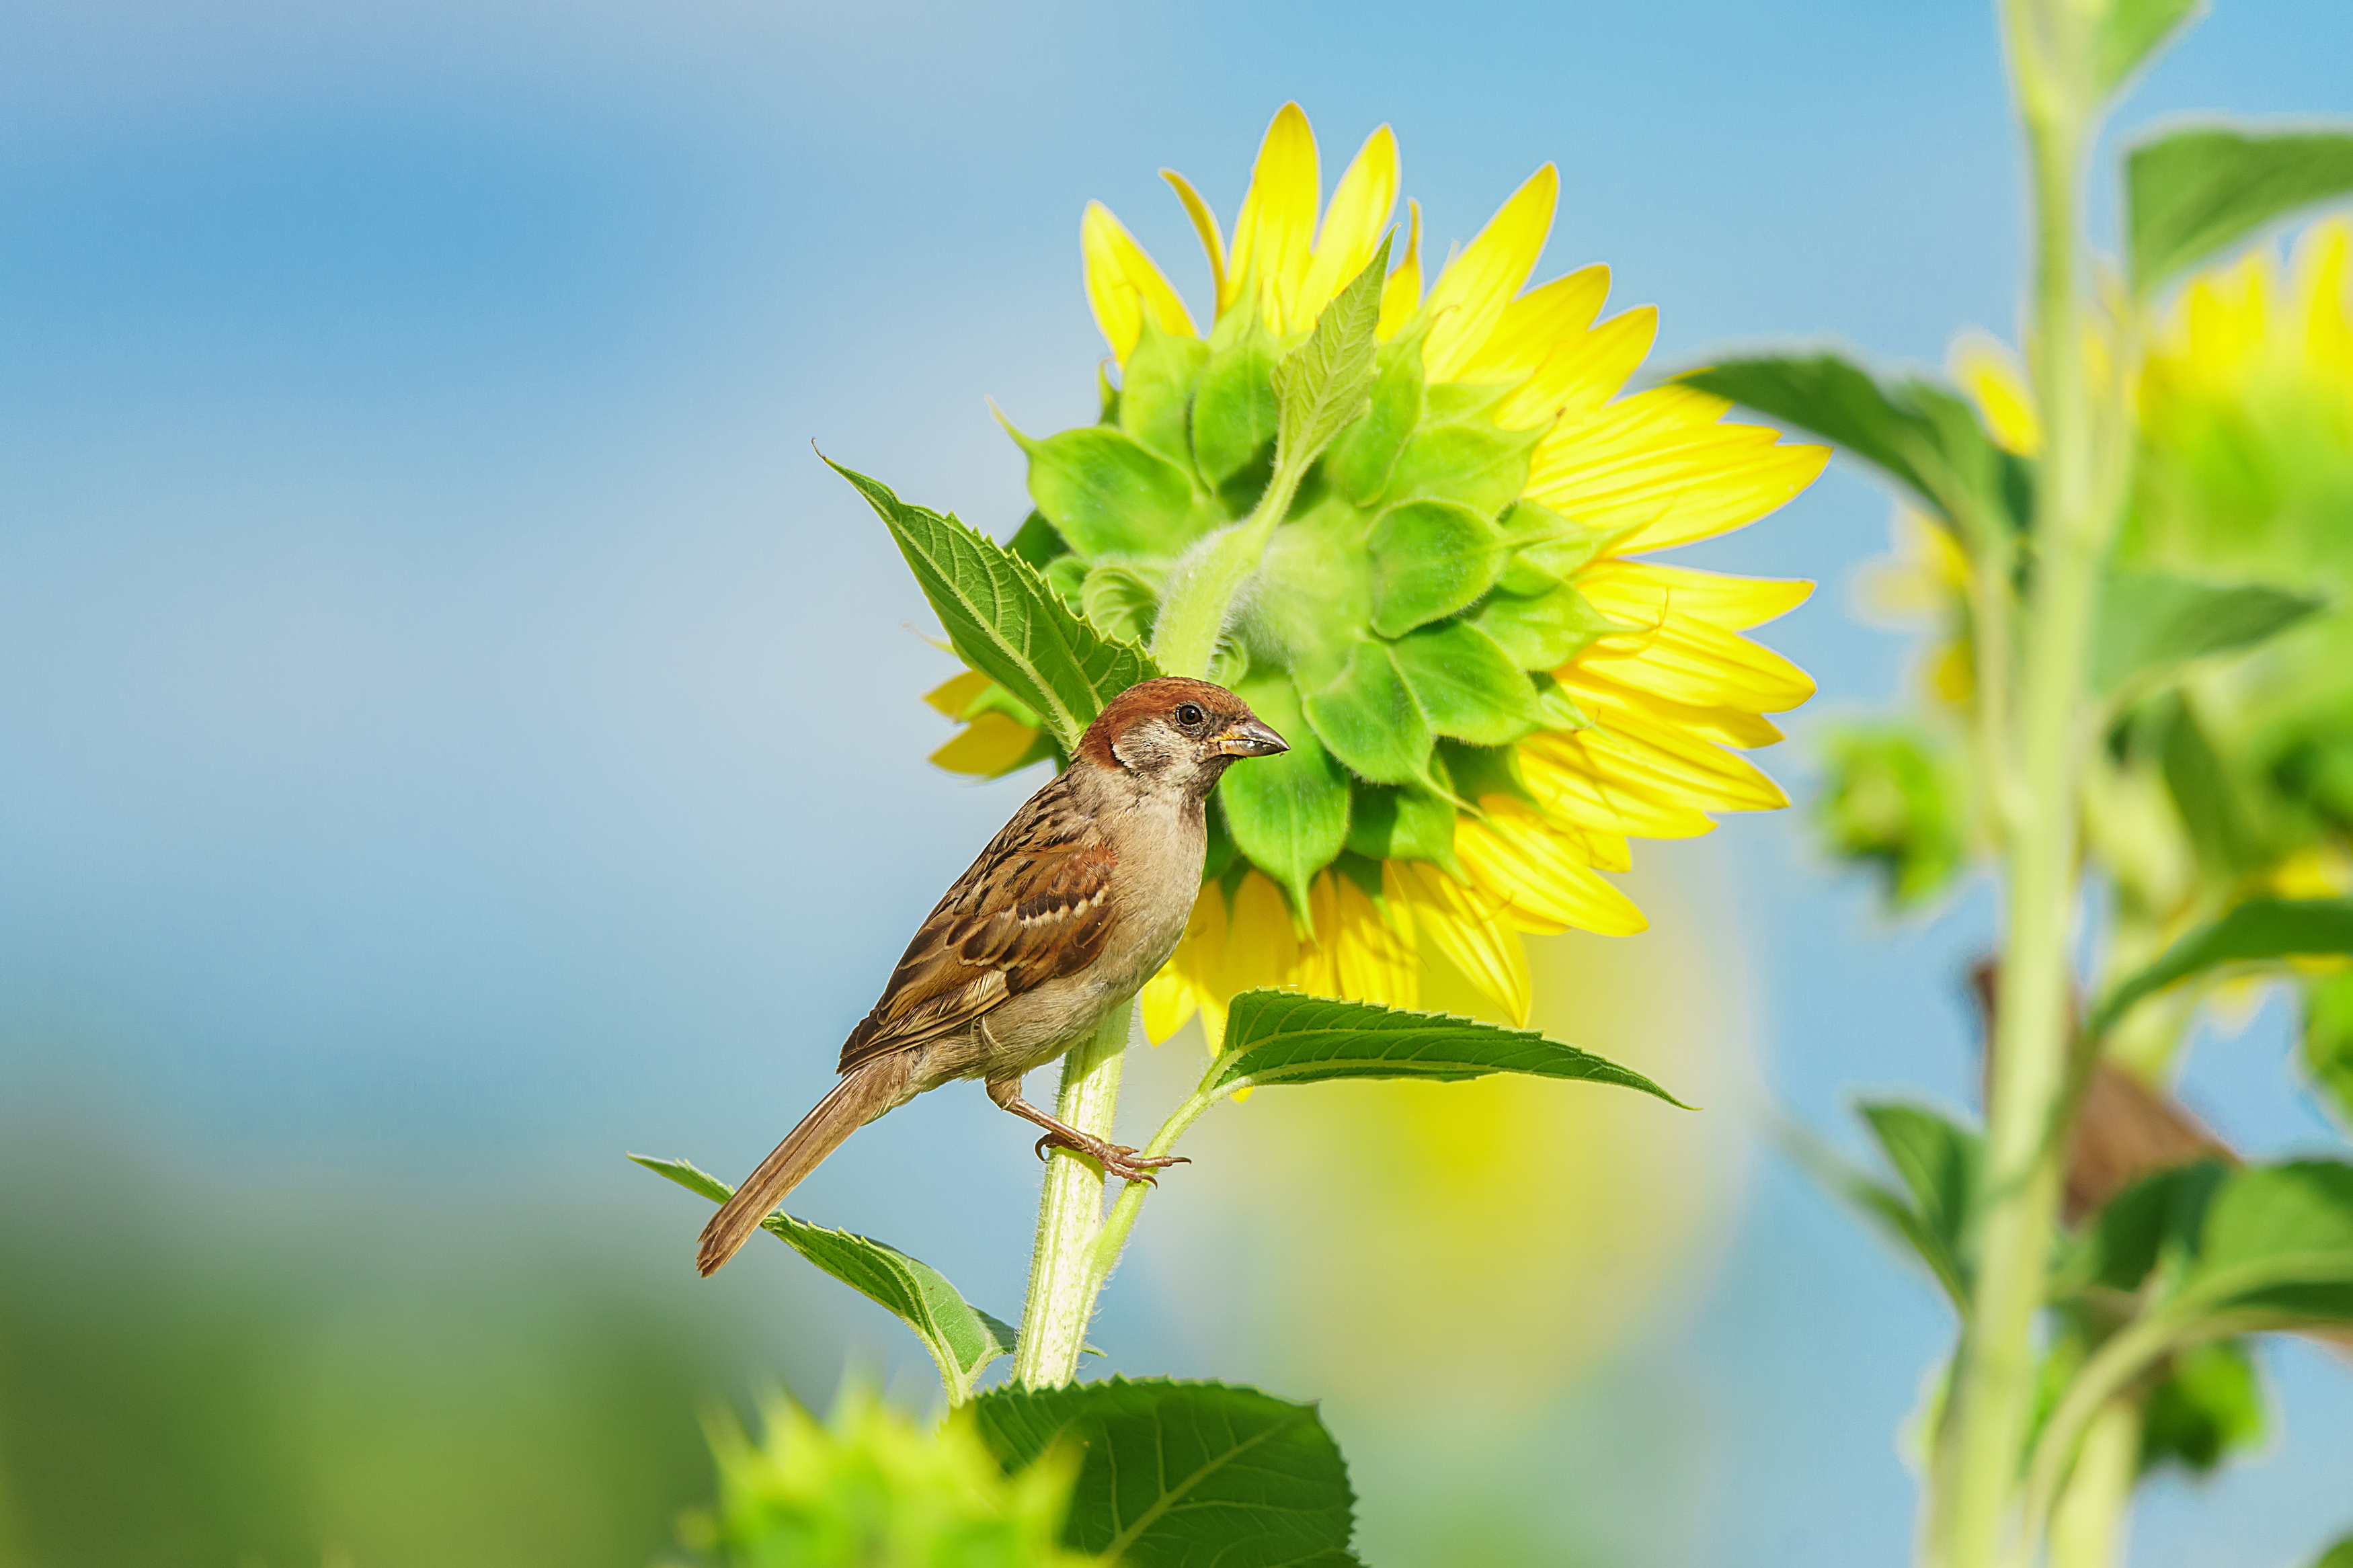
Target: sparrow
<point x="1071" y="909"/>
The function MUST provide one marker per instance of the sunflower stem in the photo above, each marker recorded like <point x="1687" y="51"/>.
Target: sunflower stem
<point x="1063" y="1283"/>
<point x="2042" y="766"/>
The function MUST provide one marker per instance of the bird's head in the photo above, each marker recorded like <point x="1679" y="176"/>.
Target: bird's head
<point x="1175" y="733"/>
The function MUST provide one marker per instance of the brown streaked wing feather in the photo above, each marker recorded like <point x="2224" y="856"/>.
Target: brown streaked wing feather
<point x="1034" y="907"/>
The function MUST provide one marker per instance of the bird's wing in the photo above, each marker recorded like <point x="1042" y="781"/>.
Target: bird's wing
<point x="1034" y="907"/>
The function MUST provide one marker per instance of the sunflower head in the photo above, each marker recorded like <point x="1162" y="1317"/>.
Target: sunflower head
<point x="1483" y="692"/>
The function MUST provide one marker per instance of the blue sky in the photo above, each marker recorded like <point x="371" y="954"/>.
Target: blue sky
<point x="450" y="713"/>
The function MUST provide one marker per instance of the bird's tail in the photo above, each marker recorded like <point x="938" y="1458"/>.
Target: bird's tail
<point x="864" y="1093"/>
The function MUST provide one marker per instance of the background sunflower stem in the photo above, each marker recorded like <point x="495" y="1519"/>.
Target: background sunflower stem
<point x="2049" y="48"/>
<point x="1062" y="1280"/>
<point x="2088" y="1525"/>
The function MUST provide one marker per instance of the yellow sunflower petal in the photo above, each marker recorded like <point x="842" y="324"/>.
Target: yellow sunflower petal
<point x="1123" y="285"/>
<point x="1360" y="210"/>
<point x="1724" y="724"/>
<point x="1996" y="382"/>
<point x="2327" y="335"/>
<point x="1201" y="957"/>
<point x="1687" y="660"/>
<point x="1401" y="295"/>
<point x="1656" y="463"/>
<point x="954" y="694"/>
<point x="1469" y="296"/>
<point x="1316" y="972"/>
<point x="1645" y="590"/>
<point x="1168" y="1003"/>
<point x="1536" y="325"/>
<point x="1637" y="752"/>
<point x="1513" y="851"/>
<point x="1572" y="786"/>
<point x="1465" y="926"/>
<point x="1261" y="947"/>
<point x="989" y="745"/>
<point x="1371" y="960"/>
<point x="1277" y="224"/>
<point x="1213" y="239"/>
<point x="1581" y="375"/>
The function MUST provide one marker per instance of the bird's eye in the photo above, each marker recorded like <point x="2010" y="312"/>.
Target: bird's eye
<point x="1189" y="716"/>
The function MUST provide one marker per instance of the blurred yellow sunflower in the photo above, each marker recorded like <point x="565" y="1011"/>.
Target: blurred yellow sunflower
<point x="1487" y="515"/>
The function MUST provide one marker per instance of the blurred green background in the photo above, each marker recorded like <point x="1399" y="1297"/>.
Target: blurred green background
<point x="447" y="716"/>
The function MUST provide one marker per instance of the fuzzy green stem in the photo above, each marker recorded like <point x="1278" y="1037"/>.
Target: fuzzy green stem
<point x="2087" y="1526"/>
<point x="1202" y="589"/>
<point x="1062" y="1287"/>
<point x="2026" y="1116"/>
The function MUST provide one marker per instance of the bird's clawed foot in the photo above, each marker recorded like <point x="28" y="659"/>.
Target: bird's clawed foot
<point x="1116" y="1159"/>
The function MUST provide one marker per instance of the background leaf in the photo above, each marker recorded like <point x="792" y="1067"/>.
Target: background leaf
<point x="962" y="1339"/>
<point x="1918" y="434"/>
<point x="1002" y="620"/>
<point x="1283" y="1036"/>
<point x="1892" y="1212"/>
<point x="2153" y="622"/>
<point x="2257" y="930"/>
<point x="2192" y="193"/>
<point x="1938" y="1162"/>
<point x="1186" y="1475"/>
<point x="2130" y="32"/>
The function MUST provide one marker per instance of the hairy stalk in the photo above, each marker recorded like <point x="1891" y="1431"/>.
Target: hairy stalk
<point x="1062" y="1286"/>
<point x="2087" y="1526"/>
<point x="2049" y="44"/>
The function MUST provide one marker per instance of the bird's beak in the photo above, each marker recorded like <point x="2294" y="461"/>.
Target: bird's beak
<point x="1250" y="738"/>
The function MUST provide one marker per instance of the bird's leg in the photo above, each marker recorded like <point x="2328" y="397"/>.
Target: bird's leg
<point x="1116" y="1159"/>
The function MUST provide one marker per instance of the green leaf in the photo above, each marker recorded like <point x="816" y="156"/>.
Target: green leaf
<point x="2278" y="1240"/>
<point x="2192" y="193"/>
<point x="2153" y="1223"/>
<point x="1405" y="822"/>
<point x="2339" y="1555"/>
<point x="1285" y="1037"/>
<point x="2208" y="1408"/>
<point x="1466" y="685"/>
<point x="2328" y="1040"/>
<point x="2130" y="32"/>
<point x="1288" y="813"/>
<point x="962" y="1339"/>
<point x="1937" y="1160"/>
<point x="1918" y="434"/>
<point x="1471" y="462"/>
<point x="2212" y="805"/>
<point x="1370" y="722"/>
<point x="1002" y="620"/>
<point x="1121" y="600"/>
<point x="1184" y="1475"/>
<point x="2257" y="931"/>
<point x="1108" y="495"/>
<point x="1545" y="630"/>
<point x="1892" y="1212"/>
<point x="1234" y="408"/>
<point x="1360" y="459"/>
<point x="1546" y="548"/>
<point x="1326" y="382"/>
<point x="1893" y="798"/>
<point x="1156" y="393"/>
<point x="2152" y="623"/>
<point x="1036" y="541"/>
<point x="1430" y="558"/>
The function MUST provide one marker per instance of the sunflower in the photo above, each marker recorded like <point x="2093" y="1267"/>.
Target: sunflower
<point x="2239" y="781"/>
<point x="1487" y="690"/>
